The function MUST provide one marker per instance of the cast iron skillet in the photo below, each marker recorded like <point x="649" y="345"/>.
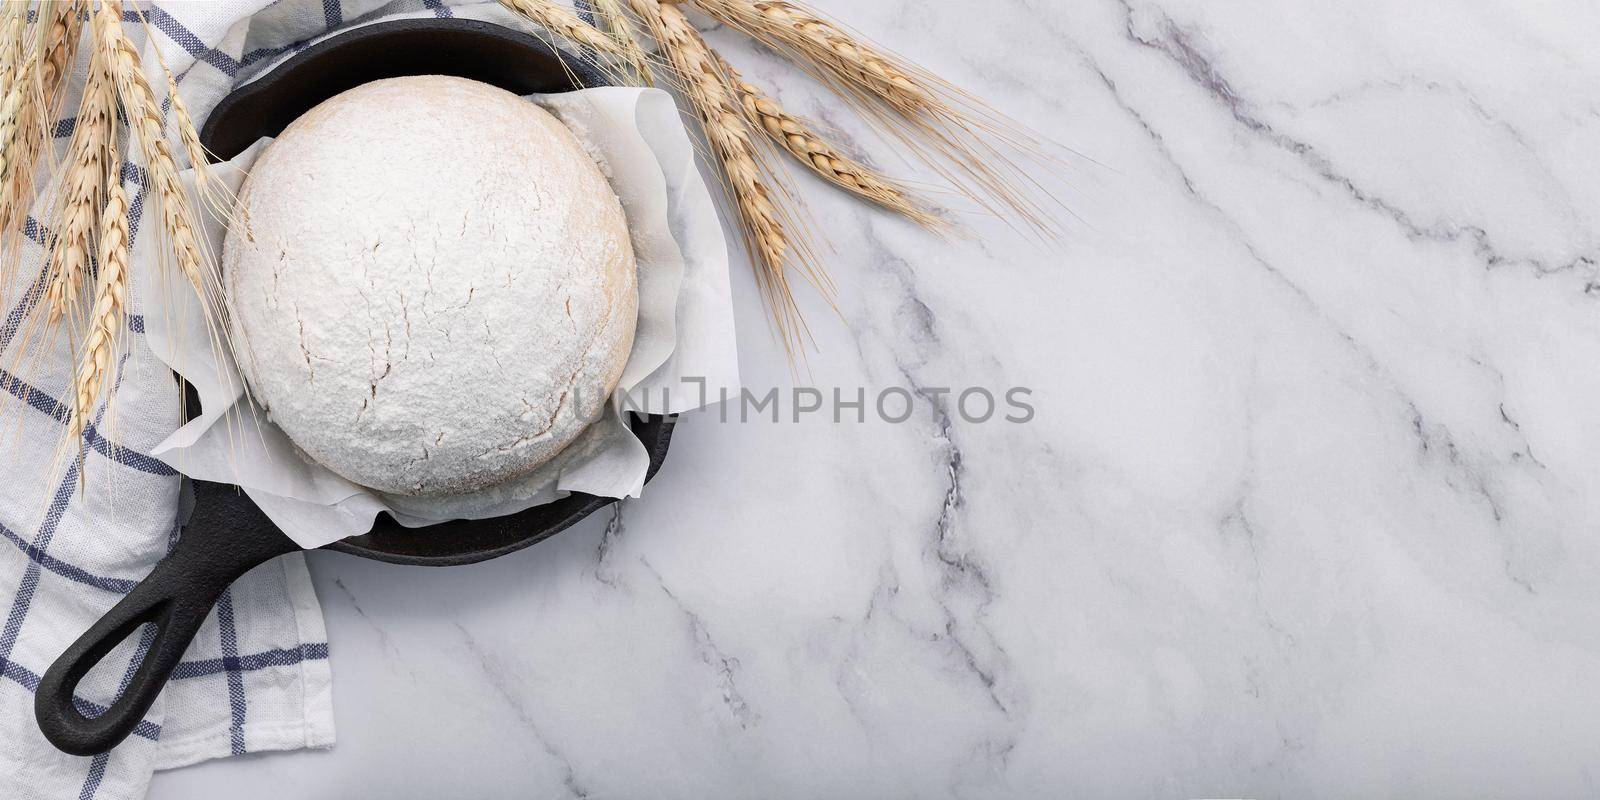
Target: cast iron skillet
<point x="227" y="535"/>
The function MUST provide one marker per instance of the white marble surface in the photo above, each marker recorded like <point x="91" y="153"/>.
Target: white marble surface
<point x="1308" y="509"/>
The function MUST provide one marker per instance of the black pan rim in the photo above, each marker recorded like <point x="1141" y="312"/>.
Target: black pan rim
<point x="581" y="72"/>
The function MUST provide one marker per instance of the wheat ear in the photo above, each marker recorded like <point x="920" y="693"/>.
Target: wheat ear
<point x="61" y="47"/>
<point x="968" y="144"/>
<point x="799" y="138"/>
<point x="802" y="30"/>
<point x="564" y="22"/>
<point x="614" y="19"/>
<point x="187" y="133"/>
<point x="16" y="95"/>
<point x="88" y="163"/>
<point x="110" y="306"/>
<point x="11" y="112"/>
<point x="769" y="236"/>
<point x="56" y="46"/>
<point x="144" y="118"/>
<point x="13" y="27"/>
<point x="13" y="20"/>
<point x="24" y="136"/>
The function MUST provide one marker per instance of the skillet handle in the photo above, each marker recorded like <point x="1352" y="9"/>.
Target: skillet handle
<point x="225" y="538"/>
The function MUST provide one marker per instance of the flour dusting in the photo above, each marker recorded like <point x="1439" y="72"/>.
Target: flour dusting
<point x="438" y="293"/>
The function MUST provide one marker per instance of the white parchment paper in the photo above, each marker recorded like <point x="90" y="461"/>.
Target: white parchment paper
<point x="685" y="336"/>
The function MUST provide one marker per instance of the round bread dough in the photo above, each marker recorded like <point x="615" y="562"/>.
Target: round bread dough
<point x="434" y="291"/>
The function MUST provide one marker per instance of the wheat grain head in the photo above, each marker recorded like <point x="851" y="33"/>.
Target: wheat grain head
<point x="86" y="175"/>
<point x="613" y="18"/>
<point x="144" y="119"/>
<point x="800" y="139"/>
<point x="607" y="51"/>
<point x="11" y="113"/>
<point x="98" y="352"/>
<point x="798" y="29"/>
<point x="22" y="137"/>
<point x="61" y="48"/>
<point x="776" y="242"/>
<point x="978" y="151"/>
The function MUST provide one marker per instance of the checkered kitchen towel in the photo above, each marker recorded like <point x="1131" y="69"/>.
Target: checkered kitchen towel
<point x="256" y="678"/>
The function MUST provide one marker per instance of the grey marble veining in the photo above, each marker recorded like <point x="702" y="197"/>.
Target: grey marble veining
<point x="1307" y="508"/>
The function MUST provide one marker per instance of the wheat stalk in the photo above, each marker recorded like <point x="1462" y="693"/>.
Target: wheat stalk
<point x="967" y="143"/>
<point x="144" y="118"/>
<point x="110" y="306"/>
<point x="88" y="162"/>
<point x="614" y="19"/>
<point x="564" y="22"/>
<point x="769" y="236"/>
<point x="799" y="138"/>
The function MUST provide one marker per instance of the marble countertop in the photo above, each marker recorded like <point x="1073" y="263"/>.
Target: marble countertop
<point x="1307" y="508"/>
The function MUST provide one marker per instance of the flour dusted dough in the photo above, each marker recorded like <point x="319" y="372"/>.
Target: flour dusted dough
<point x="436" y="291"/>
